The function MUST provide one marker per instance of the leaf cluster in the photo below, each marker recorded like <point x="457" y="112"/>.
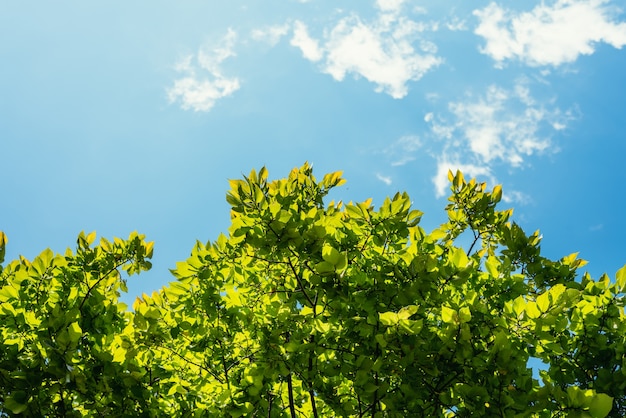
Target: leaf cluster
<point x="315" y="309"/>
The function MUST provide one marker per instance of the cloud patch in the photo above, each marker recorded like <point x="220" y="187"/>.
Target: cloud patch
<point x="402" y="151"/>
<point x="385" y="179"/>
<point x="202" y="82"/>
<point x="548" y="35"/>
<point x="499" y="127"/>
<point x="271" y="34"/>
<point x="301" y="39"/>
<point x="388" y="51"/>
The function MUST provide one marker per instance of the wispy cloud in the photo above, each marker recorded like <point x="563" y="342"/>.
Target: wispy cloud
<point x="301" y="39"/>
<point x="549" y="34"/>
<point x="515" y="196"/>
<point x="270" y="34"/>
<point x="202" y="82"/>
<point x="596" y="227"/>
<point x="392" y="6"/>
<point x="456" y="24"/>
<point x="403" y="150"/>
<point x="501" y="126"/>
<point x="389" y="51"/>
<point x="385" y="179"/>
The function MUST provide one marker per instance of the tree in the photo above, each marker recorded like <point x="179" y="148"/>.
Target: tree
<point x="315" y="309"/>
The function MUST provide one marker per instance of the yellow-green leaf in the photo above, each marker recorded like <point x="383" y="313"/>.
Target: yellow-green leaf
<point x="459" y="258"/>
<point x="388" y="318"/>
<point x="620" y="279"/>
<point x="532" y="310"/>
<point x="407" y="312"/>
<point x="465" y="315"/>
<point x="74" y="331"/>
<point x="543" y="302"/>
<point x="601" y="405"/>
<point x="449" y="315"/>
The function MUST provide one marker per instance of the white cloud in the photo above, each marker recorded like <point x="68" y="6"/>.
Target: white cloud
<point x="270" y="34"/>
<point x="499" y="127"/>
<point x="392" y="6"/>
<point x="382" y="51"/>
<point x="596" y="227"/>
<point x="549" y="34"/>
<point x="385" y="179"/>
<point x="203" y="83"/>
<point x="456" y="24"/>
<point x="309" y="46"/>
<point x="513" y="196"/>
<point x="403" y="150"/>
<point x="496" y="127"/>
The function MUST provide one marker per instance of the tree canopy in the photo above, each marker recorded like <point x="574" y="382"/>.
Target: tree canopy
<point x="308" y="308"/>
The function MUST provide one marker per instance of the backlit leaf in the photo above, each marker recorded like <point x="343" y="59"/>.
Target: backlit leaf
<point x="449" y="316"/>
<point x="601" y="405"/>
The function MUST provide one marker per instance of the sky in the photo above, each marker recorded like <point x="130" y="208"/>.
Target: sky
<point x="122" y="116"/>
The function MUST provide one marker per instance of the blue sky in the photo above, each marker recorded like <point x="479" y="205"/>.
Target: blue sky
<point x="124" y="116"/>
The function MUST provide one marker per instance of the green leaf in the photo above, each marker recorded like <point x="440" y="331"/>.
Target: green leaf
<point x="17" y="402"/>
<point x="324" y="267"/>
<point x="74" y="331"/>
<point x="438" y="234"/>
<point x="407" y="311"/>
<point x="388" y="318"/>
<point x="8" y="293"/>
<point x="331" y="255"/>
<point x="492" y="264"/>
<point x="3" y="243"/>
<point x="519" y="306"/>
<point x="465" y="315"/>
<point x="601" y="405"/>
<point x="459" y="258"/>
<point x="620" y="279"/>
<point x="449" y="316"/>
<point x="532" y="310"/>
<point x="7" y="309"/>
<point x="496" y="194"/>
<point x="380" y="339"/>
<point x="543" y="302"/>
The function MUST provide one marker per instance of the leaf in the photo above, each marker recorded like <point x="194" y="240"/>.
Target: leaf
<point x="465" y="315"/>
<point x="407" y="311"/>
<point x="8" y="293"/>
<point x="449" y="316"/>
<point x="532" y="311"/>
<point x="543" y="302"/>
<point x="601" y="405"/>
<point x="388" y="318"/>
<point x="324" y="267"/>
<point x="496" y="194"/>
<point x="7" y="309"/>
<point x="330" y="255"/>
<point x="74" y="331"/>
<point x="459" y="258"/>
<point x="17" y="402"/>
<point x="620" y="279"/>
<point x="438" y="234"/>
<point x="338" y="260"/>
<point x="492" y="266"/>
<point x="380" y="339"/>
<point x="306" y="310"/>
<point x="91" y="237"/>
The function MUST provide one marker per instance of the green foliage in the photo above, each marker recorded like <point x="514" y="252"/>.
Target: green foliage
<point x="314" y="309"/>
